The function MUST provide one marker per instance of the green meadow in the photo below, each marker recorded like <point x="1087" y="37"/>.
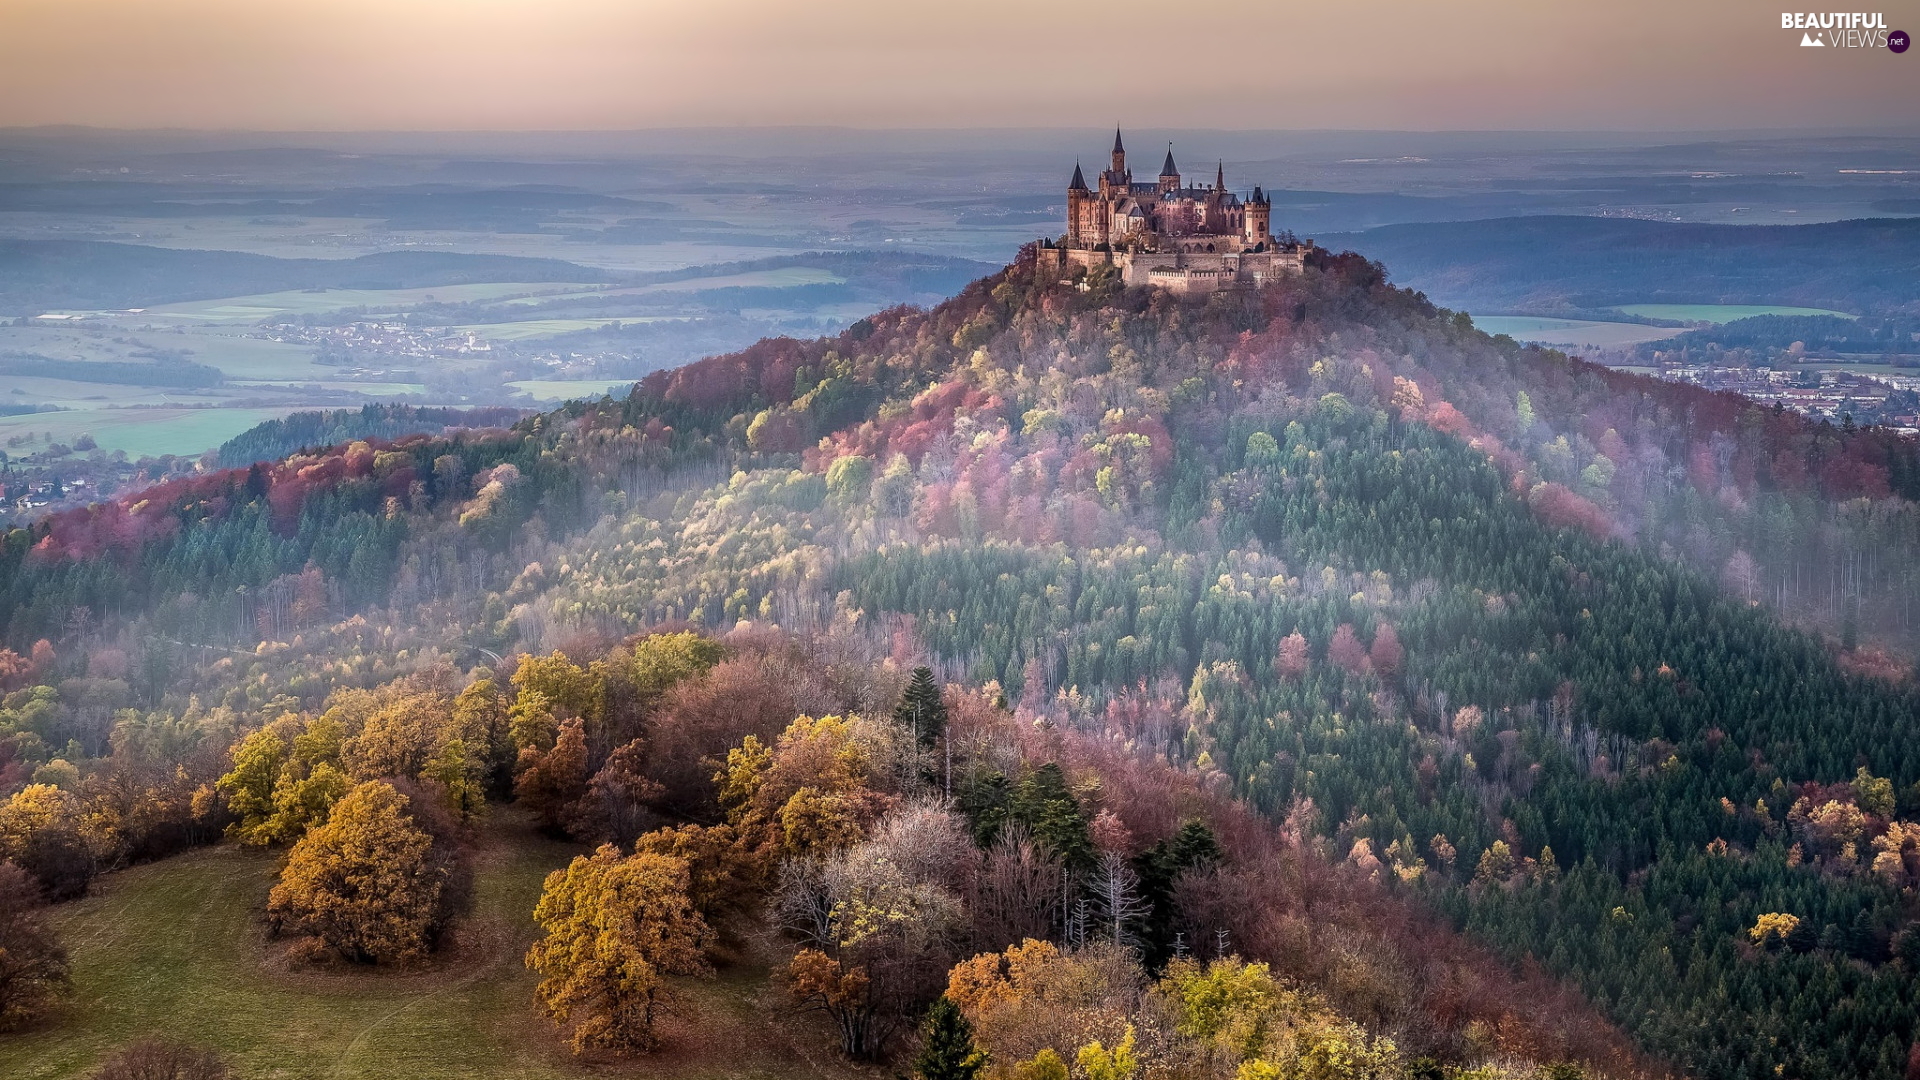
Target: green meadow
<point x="141" y="432"/>
<point x="570" y="389"/>
<point x="1571" y="332"/>
<point x="1721" y="313"/>
<point x="177" y="948"/>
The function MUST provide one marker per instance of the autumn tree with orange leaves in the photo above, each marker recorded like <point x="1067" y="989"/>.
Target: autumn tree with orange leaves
<point x="616" y="927"/>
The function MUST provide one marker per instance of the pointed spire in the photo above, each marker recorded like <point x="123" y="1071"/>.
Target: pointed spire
<point x="1079" y="183"/>
<point x="1168" y="169"/>
<point x="1220" y="177"/>
<point x="1117" y="148"/>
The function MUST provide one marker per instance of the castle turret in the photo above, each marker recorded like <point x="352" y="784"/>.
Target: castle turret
<point x="1259" y="218"/>
<point x="1076" y="204"/>
<point x="1169" y="174"/>
<point x="1116" y="180"/>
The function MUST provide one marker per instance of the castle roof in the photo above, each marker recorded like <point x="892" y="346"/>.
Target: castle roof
<point x="1117" y="148"/>
<point x="1168" y="169"/>
<point x="1079" y="183"/>
<point x="1189" y="193"/>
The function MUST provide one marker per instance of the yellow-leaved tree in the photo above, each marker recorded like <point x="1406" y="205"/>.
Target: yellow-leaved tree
<point x="366" y="884"/>
<point x="616" y="926"/>
<point x="1244" y="1019"/>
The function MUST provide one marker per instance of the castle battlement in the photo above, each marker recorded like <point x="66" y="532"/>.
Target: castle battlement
<point x="1179" y="236"/>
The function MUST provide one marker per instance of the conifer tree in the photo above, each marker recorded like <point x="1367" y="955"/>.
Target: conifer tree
<point x="921" y="711"/>
<point x="947" y="1051"/>
<point x="1047" y="807"/>
<point x="1158" y="868"/>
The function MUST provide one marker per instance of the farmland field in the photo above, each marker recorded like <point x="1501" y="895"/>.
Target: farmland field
<point x="1721" y="313"/>
<point x="226" y="348"/>
<point x="371" y="389"/>
<point x="539" y="328"/>
<point x="141" y="432"/>
<point x="376" y="343"/>
<point x="569" y="389"/>
<point x="1571" y="332"/>
<point x="252" y="309"/>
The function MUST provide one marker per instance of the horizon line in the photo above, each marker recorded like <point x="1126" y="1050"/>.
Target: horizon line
<point x="1911" y="129"/>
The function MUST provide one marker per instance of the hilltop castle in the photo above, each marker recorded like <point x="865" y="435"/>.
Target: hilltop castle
<point x="1185" y="238"/>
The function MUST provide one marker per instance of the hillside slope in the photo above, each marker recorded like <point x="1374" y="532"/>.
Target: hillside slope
<point x="1433" y="601"/>
<point x="176" y="948"/>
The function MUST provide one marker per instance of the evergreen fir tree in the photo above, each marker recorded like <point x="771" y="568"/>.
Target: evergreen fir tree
<point x="986" y="801"/>
<point x="1158" y="867"/>
<point x="921" y="711"/>
<point x="1193" y="847"/>
<point x="1047" y="807"/>
<point x="947" y="1051"/>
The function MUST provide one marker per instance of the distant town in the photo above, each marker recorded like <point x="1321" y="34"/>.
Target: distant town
<point x="1836" y="394"/>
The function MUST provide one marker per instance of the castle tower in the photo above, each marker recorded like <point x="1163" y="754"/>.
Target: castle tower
<point x="1116" y="180"/>
<point x="1214" y="214"/>
<point x="1077" y="195"/>
<point x="1259" y="219"/>
<point x="1169" y="173"/>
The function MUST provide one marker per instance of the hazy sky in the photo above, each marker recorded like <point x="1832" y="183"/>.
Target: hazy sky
<point x="615" y="64"/>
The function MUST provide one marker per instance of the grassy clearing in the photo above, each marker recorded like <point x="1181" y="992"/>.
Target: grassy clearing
<point x="175" y="947"/>
<point x="569" y="390"/>
<point x="141" y="432"/>
<point x="1721" y="313"/>
<point x="1571" y="331"/>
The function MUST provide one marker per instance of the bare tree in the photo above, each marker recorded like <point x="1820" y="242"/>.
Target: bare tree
<point x="1018" y="893"/>
<point x="930" y="844"/>
<point x="33" y="965"/>
<point x="1115" y="893"/>
<point x="876" y="941"/>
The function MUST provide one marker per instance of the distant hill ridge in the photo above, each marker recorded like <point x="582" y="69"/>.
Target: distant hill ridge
<point x="39" y="275"/>
<point x="1551" y="265"/>
<point x="43" y="275"/>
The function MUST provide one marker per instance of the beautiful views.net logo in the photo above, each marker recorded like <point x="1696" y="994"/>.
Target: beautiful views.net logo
<point x="1844" y="30"/>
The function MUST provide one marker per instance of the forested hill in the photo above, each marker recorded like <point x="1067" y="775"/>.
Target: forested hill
<point x="1505" y="633"/>
<point x="272" y="440"/>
